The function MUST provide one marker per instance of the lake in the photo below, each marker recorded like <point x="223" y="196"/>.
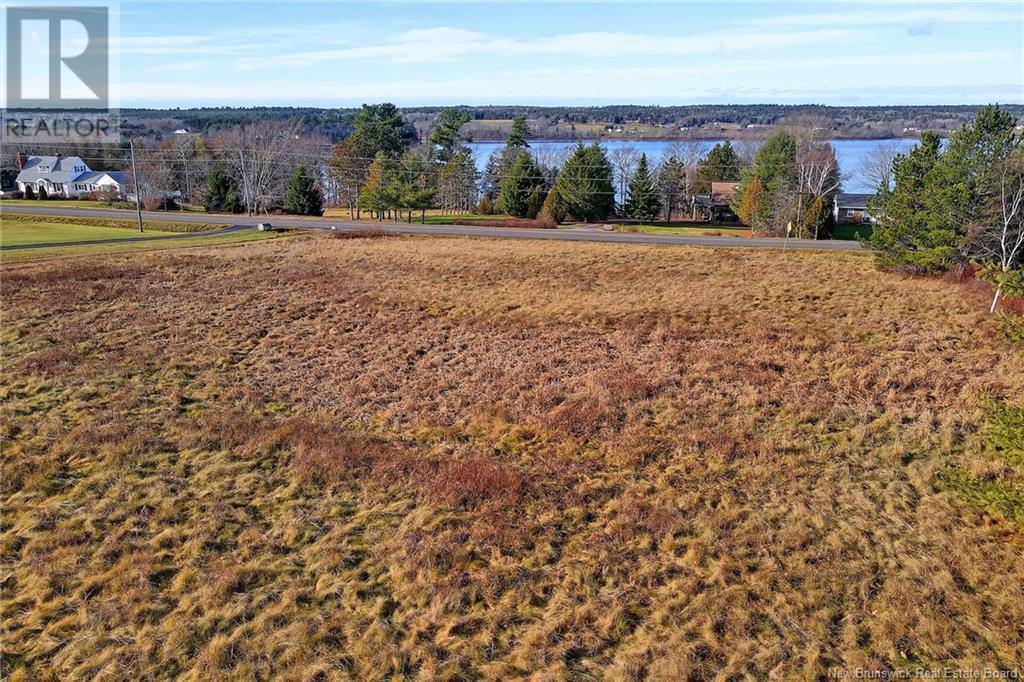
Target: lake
<point x="849" y="153"/>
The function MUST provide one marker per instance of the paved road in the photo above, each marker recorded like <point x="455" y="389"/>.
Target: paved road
<point x="586" y="235"/>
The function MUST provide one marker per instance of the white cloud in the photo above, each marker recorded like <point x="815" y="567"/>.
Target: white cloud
<point x="447" y="44"/>
<point x="883" y="15"/>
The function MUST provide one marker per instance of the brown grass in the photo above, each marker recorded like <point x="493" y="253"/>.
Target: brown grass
<point x="364" y="233"/>
<point x="444" y="458"/>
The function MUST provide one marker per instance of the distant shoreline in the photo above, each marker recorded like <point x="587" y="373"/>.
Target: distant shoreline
<point x="501" y="140"/>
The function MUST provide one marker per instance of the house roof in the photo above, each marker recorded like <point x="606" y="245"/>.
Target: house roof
<point x="52" y="169"/>
<point x="853" y="200"/>
<point x="93" y="177"/>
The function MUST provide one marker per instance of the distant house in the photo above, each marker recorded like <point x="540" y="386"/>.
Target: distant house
<point x="182" y="131"/>
<point x="853" y="208"/>
<point x="717" y="205"/>
<point x="66" y="176"/>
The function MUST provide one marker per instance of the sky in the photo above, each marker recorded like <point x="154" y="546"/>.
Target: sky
<point x="559" y="53"/>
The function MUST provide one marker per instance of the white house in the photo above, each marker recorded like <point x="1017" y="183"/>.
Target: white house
<point x="66" y="176"/>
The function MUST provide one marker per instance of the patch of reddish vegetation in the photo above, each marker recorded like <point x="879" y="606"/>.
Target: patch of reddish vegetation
<point x="475" y="479"/>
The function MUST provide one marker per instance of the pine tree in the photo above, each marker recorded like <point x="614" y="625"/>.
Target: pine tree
<point x="303" y="195"/>
<point x="721" y="163"/>
<point x="553" y="208"/>
<point x="929" y="218"/>
<point x="517" y="187"/>
<point x="519" y="133"/>
<point x="496" y="169"/>
<point x="221" y="193"/>
<point x="672" y="185"/>
<point x="643" y="203"/>
<point x="585" y="184"/>
<point x="380" y="129"/>
<point x="445" y="138"/>
<point x="908" y="235"/>
<point x="30" y="192"/>
<point x="43" y="194"/>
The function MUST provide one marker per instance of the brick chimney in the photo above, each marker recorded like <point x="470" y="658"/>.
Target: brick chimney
<point x="22" y="160"/>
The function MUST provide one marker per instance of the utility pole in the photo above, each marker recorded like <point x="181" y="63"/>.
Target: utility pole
<point x="135" y="181"/>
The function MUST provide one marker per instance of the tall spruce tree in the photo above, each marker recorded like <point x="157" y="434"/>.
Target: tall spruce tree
<point x="302" y="195"/>
<point x="643" y="203"/>
<point x="585" y="184"/>
<point x="517" y="197"/>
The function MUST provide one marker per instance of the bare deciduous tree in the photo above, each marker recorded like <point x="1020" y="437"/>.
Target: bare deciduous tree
<point x="876" y="167"/>
<point x="999" y="240"/>
<point x="624" y="161"/>
<point x="259" y="156"/>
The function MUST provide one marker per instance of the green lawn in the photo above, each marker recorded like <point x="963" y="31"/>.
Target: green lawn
<point x="10" y="257"/>
<point x="852" y="231"/>
<point x="15" y="232"/>
<point x="56" y="203"/>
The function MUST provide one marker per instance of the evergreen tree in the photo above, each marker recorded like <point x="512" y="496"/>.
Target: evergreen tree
<point x="30" y="192"/>
<point x="520" y="131"/>
<point x="930" y="217"/>
<point x="445" y="138"/>
<point x="585" y="184"/>
<point x="643" y="203"/>
<point x="553" y="208"/>
<point x="380" y="129"/>
<point x="496" y="169"/>
<point x="43" y="194"/>
<point x="303" y="195"/>
<point x="456" y="183"/>
<point x="378" y="194"/>
<point x="517" y="187"/>
<point x="672" y="185"/>
<point x="776" y="175"/>
<point x="721" y="163"/>
<point x="907" y="235"/>
<point x="221" y="193"/>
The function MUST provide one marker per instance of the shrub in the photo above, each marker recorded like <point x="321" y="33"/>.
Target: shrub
<point x="30" y="192"/>
<point x="1010" y="327"/>
<point x="486" y="206"/>
<point x="159" y="203"/>
<point x="43" y="194"/>
<point x="16" y="194"/>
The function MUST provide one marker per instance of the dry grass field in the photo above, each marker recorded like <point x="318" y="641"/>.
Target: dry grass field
<point x="427" y="458"/>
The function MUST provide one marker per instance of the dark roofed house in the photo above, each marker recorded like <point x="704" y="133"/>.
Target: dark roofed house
<point x="853" y="209"/>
